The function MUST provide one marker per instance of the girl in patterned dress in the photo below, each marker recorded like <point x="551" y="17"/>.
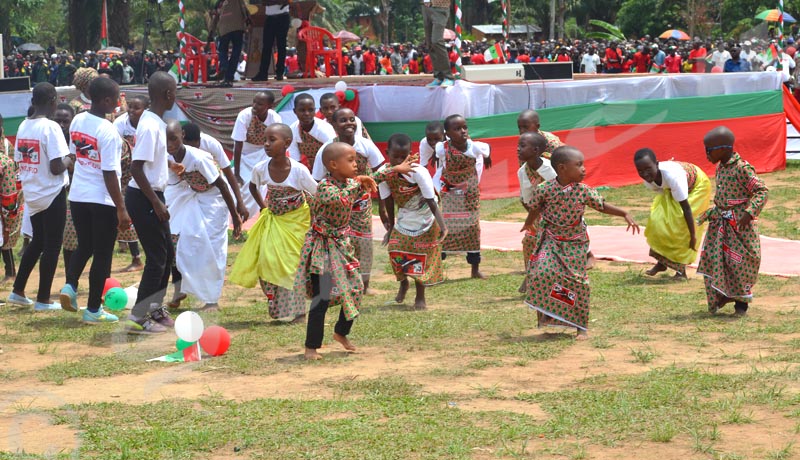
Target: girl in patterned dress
<point x="328" y="268"/>
<point x="731" y="253"/>
<point x="684" y="191"/>
<point x="11" y="204"/>
<point x="534" y="170"/>
<point x="461" y="162"/>
<point x="558" y="288"/>
<point x="309" y="133"/>
<point x="271" y="254"/>
<point x="369" y="158"/>
<point x="414" y="241"/>
<point x="63" y="116"/>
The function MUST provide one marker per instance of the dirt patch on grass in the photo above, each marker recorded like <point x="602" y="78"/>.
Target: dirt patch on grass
<point x="33" y="433"/>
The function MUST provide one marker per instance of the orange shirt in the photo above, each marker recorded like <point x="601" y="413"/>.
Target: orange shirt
<point x="698" y="67"/>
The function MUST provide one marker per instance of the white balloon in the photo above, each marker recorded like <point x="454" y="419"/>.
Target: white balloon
<point x="189" y="326"/>
<point x="132" y="292"/>
<point x="340" y="86"/>
<point x="296" y="23"/>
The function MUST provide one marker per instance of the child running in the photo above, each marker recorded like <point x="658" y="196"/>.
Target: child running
<point x="558" y="288"/>
<point x="43" y="158"/>
<point x="11" y="204"/>
<point x="535" y="170"/>
<point x="328" y="268"/>
<point x="461" y="162"/>
<point x="199" y="200"/>
<point x="731" y="254"/>
<point x="271" y="254"/>
<point x="414" y="241"/>
<point x="98" y="208"/>
<point x="309" y="133"/>
<point x="369" y="158"/>
<point x="684" y="191"/>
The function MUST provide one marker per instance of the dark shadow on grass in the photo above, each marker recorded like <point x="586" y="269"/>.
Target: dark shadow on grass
<point x="327" y="357"/>
<point x="251" y="324"/>
<point x="538" y="337"/>
<point x="699" y="315"/>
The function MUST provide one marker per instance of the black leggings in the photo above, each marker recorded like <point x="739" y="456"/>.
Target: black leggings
<point x="315" y="330"/>
<point x="45" y="246"/>
<point x="96" y="227"/>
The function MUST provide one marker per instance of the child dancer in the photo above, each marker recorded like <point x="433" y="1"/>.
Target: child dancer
<point x="63" y="116"/>
<point x="208" y="144"/>
<point x="126" y="125"/>
<point x="414" y="240"/>
<point x="271" y="253"/>
<point x="11" y="203"/>
<point x="248" y="142"/>
<point x="528" y="122"/>
<point x="534" y="170"/>
<point x="328" y="269"/>
<point x="461" y="163"/>
<point x="97" y="205"/>
<point x="368" y="158"/>
<point x="558" y="288"/>
<point x="684" y="191"/>
<point x="43" y="158"/>
<point x="198" y="217"/>
<point x="328" y="105"/>
<point x="309" y="133"/>
<point x="731" y="252"/>
<point x="434" y="133"/>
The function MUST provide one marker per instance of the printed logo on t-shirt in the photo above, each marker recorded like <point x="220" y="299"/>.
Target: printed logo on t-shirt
<point x="86" y="149"/>
<point x="29" y="150"/>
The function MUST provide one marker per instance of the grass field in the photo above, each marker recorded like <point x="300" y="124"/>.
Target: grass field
<point x="470" y="378"/>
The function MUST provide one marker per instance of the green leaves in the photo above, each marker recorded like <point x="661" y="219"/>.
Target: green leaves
<point x="612" y="32"/>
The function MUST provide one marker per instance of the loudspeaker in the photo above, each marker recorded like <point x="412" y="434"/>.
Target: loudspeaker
<point x="494" y="73"/>
<point x="15" y="84"/>
<point x="548" y="71"/>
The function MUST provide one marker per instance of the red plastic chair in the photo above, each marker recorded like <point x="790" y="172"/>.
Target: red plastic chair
<point x="314" y="38"/>
<point x="197" y="57"/>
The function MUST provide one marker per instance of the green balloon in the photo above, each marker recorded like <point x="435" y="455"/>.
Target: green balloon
<point x="116" y="299"/>
<point x="181" y="344"/>
<point x="349" y="95"/>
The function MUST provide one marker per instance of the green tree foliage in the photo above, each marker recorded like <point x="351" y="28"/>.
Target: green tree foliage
<point x="638" y="18"/>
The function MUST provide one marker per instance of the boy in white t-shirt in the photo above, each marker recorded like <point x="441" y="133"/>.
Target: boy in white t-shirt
<point x="43" y="158"/>
<point x="145" y="202"/>
<point x="95" y="199"/>
<point x="434" y="133"/>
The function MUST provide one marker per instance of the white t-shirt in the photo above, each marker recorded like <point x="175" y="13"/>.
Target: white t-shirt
<point x="526" y="188"/>
<point x="151" y="147"/>
<point x="299" y="178"/>
<point x="97" y="147"/>
<point x="720" y="57"/>
<point x="274" y="10"/>
<point x="40" y="141"/>
<point x="196" y="160"/>
<point x="673" y="177"/>
<point x="124" y="126"/>
<point x="426" y="152"/>
<point x="243" y="122"/>
<point x="590" y="63"/>
<point x="322" y="131"/>
<point x="214" y="147"/>
<point x="418" y="175"/>
<point x="415" y="218"/>
<point x="475" y="149"/>
<point x="364" y="147"/>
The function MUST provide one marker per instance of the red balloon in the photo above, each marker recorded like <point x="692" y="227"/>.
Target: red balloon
<point x="287" y="89"/>
<point x="215" y="340"/>
<point x="340" y="95"/>
<point x="716" y="69"/>
<point x="110" y="283"/>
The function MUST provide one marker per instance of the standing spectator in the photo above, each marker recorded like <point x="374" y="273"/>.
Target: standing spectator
<point x="672" y="62"/>
<point x="736" y="63"/>
<point x="127" y="72"/>
<point x="641" y="60"/>
<point x="233" y="20"/>
<point x="590" y="61"/>
<point x="751" y="56"/>
<point x="396" y="60"/>
<point x="613" y="59"/>
<point x="720" y="56"/>
<point x="658" y="57"/>
<point x="39" y="72"/>
<point x="275" y="29"/>
<point x="370" y="61"/>
<point x="435" y="14"/>
<point x="697" y="57"/>
<point x="358" y="61"/>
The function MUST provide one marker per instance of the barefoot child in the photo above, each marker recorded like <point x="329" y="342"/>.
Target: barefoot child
<point x="731" y="252"/>
<point x="43" y="158"/>
<point x="271" y="253"/>
<point x="434" y="133"/>
<point x="199" y="201"/>
<point x="684" y="191"/>
<point x="369" y="158"/>
<point x="11" y="203"/>
<point x="534" y="170"/>
<point x="558" y="288"/>
<point x="309" y="133"/>
<point x="414" y="240"/>
<point x="98" y="209"/>
<point x="461" y="162"/>
<point x="328" y="268"/>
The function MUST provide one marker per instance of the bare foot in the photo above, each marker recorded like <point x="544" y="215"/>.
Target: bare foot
<point x="176" y="300"/>
<point x="523" y="287"/>
<point x="657" y="268"/>
<point x="135" y="266"/>
<point x="123" y="248"/>
<point x="740" y="313"/>
<point x="312" y="355"/>
<point x="477" y="273"/>
<point x="300" y="319"/>
<point x="7" y="279"/>
<point x="401" y="293"/>
<point x="210" y="308"/>
<point x="344" y="341"/>
<point x="582" y="335"/>
<point x="680" y="277"/>
<point x="591" y="260"/>
<point x="420" y="304"/>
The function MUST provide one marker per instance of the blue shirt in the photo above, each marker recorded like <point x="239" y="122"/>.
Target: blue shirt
<point x="742" y="65"/>
<point x="659" y="58"/>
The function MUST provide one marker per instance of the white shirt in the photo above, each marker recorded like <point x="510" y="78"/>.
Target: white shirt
<point x="590" y="63"/>
<point x="475" y="149"/>
<point x="214" y="147"/>
<point x="673" y="177"/>
<point x="274" y="10"/>
<point x="418" y="175"/>
<point x="151" y="148"/>
<point x="526" y="188"/>
<point x="364" y="147"/>
<point x="426" y="152"/>
<point x="243" y="122"/>
<point x="322" y="131"/>
<point x="299" y="178"/>
<point x="196" y="160"/>
<point x="124" y="126"/>
<point x="97" y="147"/>
<point x="240" y="70"/>
<point x="415" y="218"/>
<point x="40" y="141"/>
<point x="719" y="58"/>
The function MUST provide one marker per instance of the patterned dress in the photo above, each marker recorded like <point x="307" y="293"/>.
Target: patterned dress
<point x="360" y="232"/>
<point x="129" y="235"/>
<point x="461" y="202"/>
<point x="553" y="142"/>
<point x="730" y="259"/>
<point x="10" y="197"/>
<point x="308" y="148"/>
<point x="413" y="245"/>
<point x="327" y="248"/>
<point x="558" y="288"/>
<point x="529" y="240"/>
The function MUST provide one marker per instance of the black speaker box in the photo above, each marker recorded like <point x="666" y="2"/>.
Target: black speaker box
<point x="15" y="84"/>
<point x="548" y="71"/>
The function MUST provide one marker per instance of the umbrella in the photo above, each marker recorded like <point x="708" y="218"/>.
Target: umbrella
<point x="110" y="50"/>
<point x="31" y="47"/>
<point x="346" y="36"/>
<point x="449" y="34"/>
<point x="676" y="34"/>
<point x="775" y="16"/>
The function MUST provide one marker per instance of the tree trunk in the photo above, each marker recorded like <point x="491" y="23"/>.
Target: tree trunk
<point x="552" y="19"/>
<point x="119" y="14"/>
<point x="5" y="29"/>
<point x="383" y="17"/>
<point x="562" y="11"/>
<point x="77" y="18"/>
